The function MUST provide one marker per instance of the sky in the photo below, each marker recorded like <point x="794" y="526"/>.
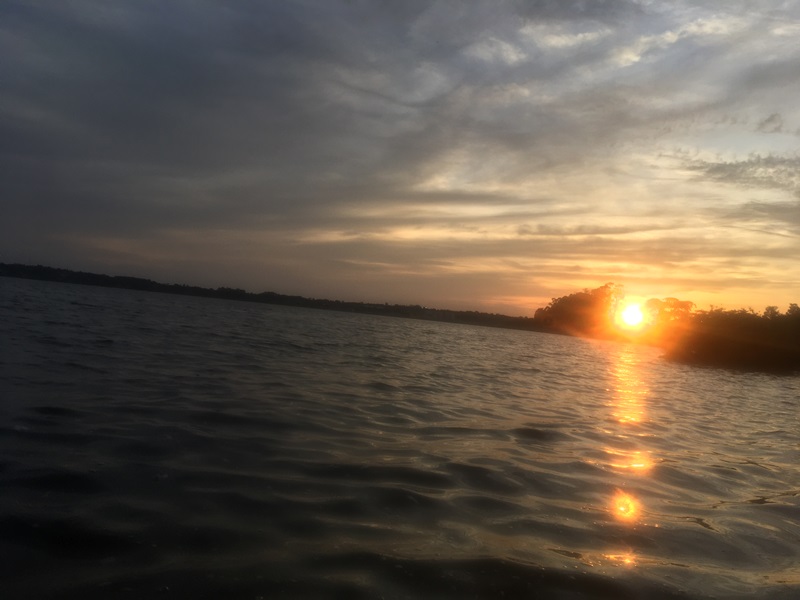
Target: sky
<point x="482" y="155"/>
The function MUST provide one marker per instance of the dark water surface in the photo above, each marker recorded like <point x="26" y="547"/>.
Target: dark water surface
<point x="161" y="446"/>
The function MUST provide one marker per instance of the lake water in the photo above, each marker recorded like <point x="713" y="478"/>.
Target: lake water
<point x="164" y="446"/>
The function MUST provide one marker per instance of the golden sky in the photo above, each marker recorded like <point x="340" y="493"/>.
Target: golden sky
<point x="471" y="155"/>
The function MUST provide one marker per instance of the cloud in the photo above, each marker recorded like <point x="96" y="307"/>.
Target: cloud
<point x="772" y="124"/>
<point x="772" y="172"/>
<point x="775" y="218"/>
<point x="306" y="139"/>
<point x="599" y="10"/>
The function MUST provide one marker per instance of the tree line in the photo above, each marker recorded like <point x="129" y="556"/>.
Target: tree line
<point x="742" y="339"/>
<point x="415" y="311"/>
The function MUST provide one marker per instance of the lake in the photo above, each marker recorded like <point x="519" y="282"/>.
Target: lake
<point x="168" y="446"/>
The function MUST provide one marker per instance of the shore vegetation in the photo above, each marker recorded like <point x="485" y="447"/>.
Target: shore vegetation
<point x="740" y="339"/>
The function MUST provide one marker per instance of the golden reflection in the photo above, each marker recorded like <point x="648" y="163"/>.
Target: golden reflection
<point x="625" y="507"/>
<point x="628" y="407"/>
<point x="636" y="461"/>
<point x="631" y="391"/>
<point x="624" y="559"/>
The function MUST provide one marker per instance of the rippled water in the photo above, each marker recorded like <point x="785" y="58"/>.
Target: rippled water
<point x="157" y="445"/>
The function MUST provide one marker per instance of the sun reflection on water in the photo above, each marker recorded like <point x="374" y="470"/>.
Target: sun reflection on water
<point x="625" y="507"/>
<point x="624" y="559"/>
<point x="628" y="409"/>
<point x="637" y="461"/>
<point x="630" y="390"/>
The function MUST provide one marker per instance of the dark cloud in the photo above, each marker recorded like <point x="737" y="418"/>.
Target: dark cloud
<point x="772" y="124"/>
<point x="600" y="10"/>
<point x="772" y="172"/>
<point x="140" y="96"/>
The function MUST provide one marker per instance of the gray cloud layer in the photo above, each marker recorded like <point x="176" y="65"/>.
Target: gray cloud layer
<point x="369" y="149"/>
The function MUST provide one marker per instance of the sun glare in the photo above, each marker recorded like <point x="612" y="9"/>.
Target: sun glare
<point x="624" y="507"/>
<point x="631" y="316"/>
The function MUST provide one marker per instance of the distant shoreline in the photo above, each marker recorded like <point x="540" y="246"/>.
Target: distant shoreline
<point x="45" y="273"/>
<point x="738" y="340"/>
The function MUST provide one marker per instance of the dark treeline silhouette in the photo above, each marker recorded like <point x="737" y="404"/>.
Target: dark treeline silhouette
<point x="741" y="339"/>
<point x="393" y="310"/>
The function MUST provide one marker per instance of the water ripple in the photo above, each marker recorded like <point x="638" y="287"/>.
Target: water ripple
<point x="154" y="444"/>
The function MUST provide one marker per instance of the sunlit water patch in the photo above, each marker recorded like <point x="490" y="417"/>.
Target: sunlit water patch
<point x="156" y="444"/>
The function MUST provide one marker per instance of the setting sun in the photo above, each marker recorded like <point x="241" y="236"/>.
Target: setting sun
<point x="631" y="316"/>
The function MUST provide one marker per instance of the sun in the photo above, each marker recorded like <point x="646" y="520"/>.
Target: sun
<point x="630" y="316"/>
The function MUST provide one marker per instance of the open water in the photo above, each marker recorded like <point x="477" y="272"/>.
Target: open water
<point x="163" y="446"/>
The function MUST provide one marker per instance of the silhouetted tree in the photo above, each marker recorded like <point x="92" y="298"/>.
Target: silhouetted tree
<point x="585" y="313"/>
<point x="742" y="339"/>
<point x="668" y="310"/>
